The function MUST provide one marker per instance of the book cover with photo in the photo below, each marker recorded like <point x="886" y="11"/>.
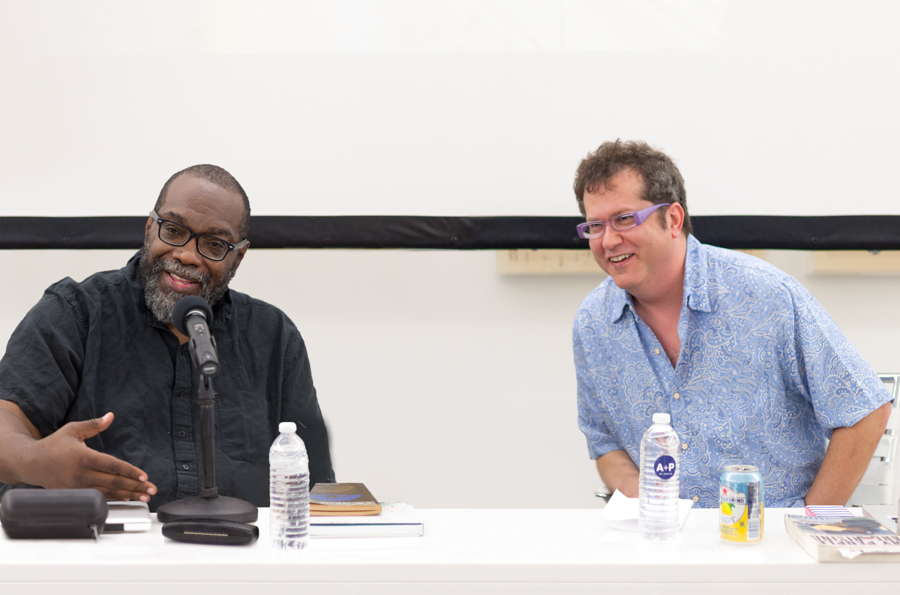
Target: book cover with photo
<point x="844" y="539"/>
<point x="342" y="499"/>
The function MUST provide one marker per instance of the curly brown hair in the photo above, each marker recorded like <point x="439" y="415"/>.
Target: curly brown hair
<point x="662" y="182"/>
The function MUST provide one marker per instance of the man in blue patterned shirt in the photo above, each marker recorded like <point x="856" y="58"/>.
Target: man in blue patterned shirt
<point x="749" y="365"/>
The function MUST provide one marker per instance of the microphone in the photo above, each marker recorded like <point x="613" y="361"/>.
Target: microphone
<point x="192" y="317"/>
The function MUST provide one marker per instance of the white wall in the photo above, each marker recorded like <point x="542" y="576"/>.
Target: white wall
<point x="447" y="107"/>
<point x="445" y="384"/>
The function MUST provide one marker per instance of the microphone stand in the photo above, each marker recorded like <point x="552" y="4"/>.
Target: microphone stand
<point x="208" y="505"/>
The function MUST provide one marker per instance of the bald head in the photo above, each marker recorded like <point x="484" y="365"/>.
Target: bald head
<point x="221" y="178"/>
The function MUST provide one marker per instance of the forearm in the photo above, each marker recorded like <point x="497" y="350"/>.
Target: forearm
<point x="15" y="442"/>
<point x="849" y="453"/>
<point x="619" y="472"/>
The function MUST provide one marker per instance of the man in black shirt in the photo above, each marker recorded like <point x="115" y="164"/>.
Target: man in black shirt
<point x="97" y="388"/>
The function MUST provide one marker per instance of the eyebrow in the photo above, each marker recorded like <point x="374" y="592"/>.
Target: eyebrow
<point x="625" y="212"/>
<point x="209" y="231"/>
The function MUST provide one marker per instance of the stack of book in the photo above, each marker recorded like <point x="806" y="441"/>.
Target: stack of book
<point x="350" y="510"/>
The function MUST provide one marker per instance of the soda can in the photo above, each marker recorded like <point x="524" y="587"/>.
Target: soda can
<point x="741" y="504"/>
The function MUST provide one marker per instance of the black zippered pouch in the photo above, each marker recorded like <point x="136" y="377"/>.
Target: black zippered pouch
<point x="52" y="514"/>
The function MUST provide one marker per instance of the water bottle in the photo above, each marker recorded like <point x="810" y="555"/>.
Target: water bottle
<point x="659" y="487"/>
<point x="288" y="490"/>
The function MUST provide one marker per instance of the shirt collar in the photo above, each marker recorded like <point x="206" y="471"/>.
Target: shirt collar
<point x="696" y="276"/>
<point x="696" y="283"/>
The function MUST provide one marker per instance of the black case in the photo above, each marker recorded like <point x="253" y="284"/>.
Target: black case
<point x="52" y="514"/>
<point x="211" y="531"/>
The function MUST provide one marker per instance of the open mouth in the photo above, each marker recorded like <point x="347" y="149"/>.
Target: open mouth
<point x="619" y="258"/>
<point x="179" y="282"/>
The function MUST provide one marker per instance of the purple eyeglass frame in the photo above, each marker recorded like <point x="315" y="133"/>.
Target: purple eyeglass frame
<point x="639" y="217"/>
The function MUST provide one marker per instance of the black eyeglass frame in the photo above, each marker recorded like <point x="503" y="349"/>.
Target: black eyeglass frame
<point x="231" y="247"/>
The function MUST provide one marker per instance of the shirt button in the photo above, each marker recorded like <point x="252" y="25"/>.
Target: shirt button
<point x="182" y="434"/>
<point x="676" y="396"/>
<point x="186" y="467"/>
<point x="695" y="498"/>
<point x="656" y="351"/>
<point x="684" y="446"/>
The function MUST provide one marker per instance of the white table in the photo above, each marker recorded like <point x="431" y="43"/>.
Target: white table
<point x="464" y="551"/>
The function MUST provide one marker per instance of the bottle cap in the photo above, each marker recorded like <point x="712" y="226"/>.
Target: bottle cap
<point x="662" y="418"/>
<point x="287" y="427"/>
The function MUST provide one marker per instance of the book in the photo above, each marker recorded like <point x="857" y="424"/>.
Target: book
<point x="342" y="499"/>
<point x="886" y="514"/>
<point x="829" y="511"/>
<point x="395" y="520"/>
<point x="844" y="539"/>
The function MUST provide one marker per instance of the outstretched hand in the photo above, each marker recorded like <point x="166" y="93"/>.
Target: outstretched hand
<point x="63" y="460"/>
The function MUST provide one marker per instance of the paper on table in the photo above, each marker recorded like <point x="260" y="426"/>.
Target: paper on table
<point x="621" y="511"/>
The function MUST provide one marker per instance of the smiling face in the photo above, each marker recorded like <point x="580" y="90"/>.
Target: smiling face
<point x="647" y="261"/>
<point x="171" y="272"/>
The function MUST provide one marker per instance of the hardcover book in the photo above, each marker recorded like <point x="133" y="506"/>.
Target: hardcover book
<point x="395" y="520"/>
<point x="844" y="539"/>
<point x="342" y="499"/>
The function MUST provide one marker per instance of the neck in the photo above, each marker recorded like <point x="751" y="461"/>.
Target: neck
<point x="181" y="338"/>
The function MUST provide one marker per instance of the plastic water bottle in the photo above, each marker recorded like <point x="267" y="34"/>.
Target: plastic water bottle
<point x="288" y="490"/>
<point x="659" y="487"/>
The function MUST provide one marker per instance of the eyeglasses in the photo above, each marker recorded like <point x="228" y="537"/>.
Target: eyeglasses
<point x="211" y="247"/>
<point x="595" y="229"/>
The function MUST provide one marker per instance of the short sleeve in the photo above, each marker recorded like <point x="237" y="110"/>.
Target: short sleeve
<point x="591" y="416"/>
<point x="841" y="385"/>
<point x="41" y="369"/>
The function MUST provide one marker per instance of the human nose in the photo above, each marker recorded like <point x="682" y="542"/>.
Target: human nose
<point x="610" y="238"/>
<point x="189" y="254"/>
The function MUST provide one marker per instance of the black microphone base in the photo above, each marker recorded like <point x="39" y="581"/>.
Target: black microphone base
<point x="221" y="507"/>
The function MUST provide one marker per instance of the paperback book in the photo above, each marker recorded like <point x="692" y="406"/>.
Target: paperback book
<point x="342" y="499"/>
<point x="844" y="539"/>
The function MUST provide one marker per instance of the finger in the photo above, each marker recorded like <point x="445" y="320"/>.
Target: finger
<point x="89" y="428"/>
<point x="116" y="487"/>
<point x="110" y="465"/>
<point x="111" y="494"/>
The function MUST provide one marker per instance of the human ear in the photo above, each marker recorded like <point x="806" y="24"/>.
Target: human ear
<point x="675" y="218"/>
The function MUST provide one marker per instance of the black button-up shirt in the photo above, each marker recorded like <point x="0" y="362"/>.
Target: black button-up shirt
<point x="92" y="347"/>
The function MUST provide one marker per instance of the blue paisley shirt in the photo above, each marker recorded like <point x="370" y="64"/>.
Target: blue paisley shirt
<point x="763" y="376"/>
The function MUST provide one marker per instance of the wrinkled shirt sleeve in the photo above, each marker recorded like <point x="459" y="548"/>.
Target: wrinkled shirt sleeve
<point x="592" y="419"/>
<point x="41" y="369"/>
<point x="825" y="368"/>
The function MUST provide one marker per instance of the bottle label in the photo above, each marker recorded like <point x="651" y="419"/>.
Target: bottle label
<point x="664" y="467"/>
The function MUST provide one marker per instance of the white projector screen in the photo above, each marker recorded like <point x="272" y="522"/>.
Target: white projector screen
<point x="452" y="108"/>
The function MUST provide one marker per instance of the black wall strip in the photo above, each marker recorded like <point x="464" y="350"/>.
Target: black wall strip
<point x="864" y="232"/>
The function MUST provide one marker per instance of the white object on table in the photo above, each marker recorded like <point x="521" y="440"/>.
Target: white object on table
<point x="622" y="512"/>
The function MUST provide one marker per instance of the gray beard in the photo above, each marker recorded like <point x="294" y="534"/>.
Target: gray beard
<point x="160" y="300"/>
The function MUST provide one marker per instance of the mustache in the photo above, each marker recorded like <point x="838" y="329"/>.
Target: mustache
<point x="182" y="270"/>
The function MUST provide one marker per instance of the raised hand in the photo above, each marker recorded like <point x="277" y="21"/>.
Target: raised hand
<point x="63" y="460"/>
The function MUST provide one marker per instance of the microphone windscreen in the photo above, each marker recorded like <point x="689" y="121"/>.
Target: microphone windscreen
<point x="185" y="305"/>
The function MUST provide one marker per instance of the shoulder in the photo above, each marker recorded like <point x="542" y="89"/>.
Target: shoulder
<point x="261" y="315"/>
<point x="95" y="284"/>
<point x="263" y="328"/>
<point x="101" y="291"/>
<point x="600" y="299"/>
<point x="729" y="270"/>
<point x="102" y="284"/>
<point x="601" y="307"/>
